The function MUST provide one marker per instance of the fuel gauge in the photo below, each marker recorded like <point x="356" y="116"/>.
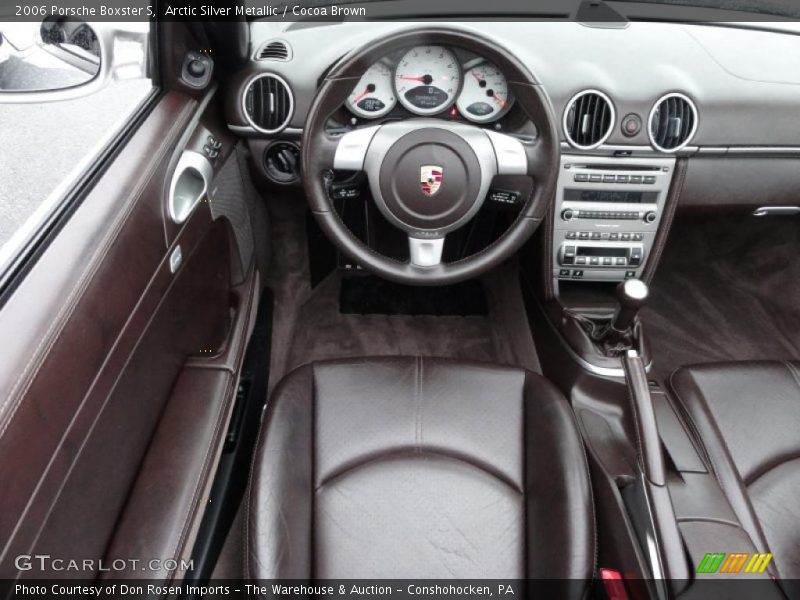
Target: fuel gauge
<point x="374" y="95"/>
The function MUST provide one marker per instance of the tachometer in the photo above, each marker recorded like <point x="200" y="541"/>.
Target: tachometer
<point x="374" y="95"/>
<point x="485" y="94"/>
<point x="427" y="79"/>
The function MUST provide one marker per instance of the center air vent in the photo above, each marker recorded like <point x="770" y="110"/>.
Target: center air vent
<point x="268" y="103"/>
<point x="274" y="50"/>
<point x="588" y="119"/>
<point x="673" y="122"/>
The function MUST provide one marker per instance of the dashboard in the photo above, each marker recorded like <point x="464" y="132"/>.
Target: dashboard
<point x="740" y="84"/>
<point x="430" y="80"/>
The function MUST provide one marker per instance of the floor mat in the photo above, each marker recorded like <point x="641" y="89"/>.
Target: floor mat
<point x="370" y="295"/>
<point x="309" y="326"/>
<point x="727" y="288"/>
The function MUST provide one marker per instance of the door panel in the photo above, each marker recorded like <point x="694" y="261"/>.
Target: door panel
<point x="98" y="333"/>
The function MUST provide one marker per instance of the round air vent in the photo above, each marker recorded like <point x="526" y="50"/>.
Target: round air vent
<point x="588" y="119"/>
<point x="672" y="123"/>
<point x="268" y="103"/>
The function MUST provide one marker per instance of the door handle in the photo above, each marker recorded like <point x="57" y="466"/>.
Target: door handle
<point x="190" y="182"/>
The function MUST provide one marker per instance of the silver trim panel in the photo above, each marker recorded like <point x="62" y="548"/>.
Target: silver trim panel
<point x="182" y="199"/>
<point x="776" y="211"/>
<point x="352" y="149"/>
<point x="425" y="252"/>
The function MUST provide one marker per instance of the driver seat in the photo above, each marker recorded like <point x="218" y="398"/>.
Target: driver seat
<point x="408" y="467"/>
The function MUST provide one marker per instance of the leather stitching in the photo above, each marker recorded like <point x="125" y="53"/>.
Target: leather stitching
<point x="671" y="205"/>
<point x="418" y="405"/>
<point x="203" y="473"/>
<point x="695" y="430"/>
<point x="42" y="350"/>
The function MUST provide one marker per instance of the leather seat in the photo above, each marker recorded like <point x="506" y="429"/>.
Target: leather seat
<point x="419" y="468"/>
<point x="747" y="418"/>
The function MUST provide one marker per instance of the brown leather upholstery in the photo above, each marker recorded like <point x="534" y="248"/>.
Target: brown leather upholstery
<point x="412" y="467"/>
<point x="747" y="416"/>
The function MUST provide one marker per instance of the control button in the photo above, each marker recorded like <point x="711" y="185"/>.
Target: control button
<point x="564" y="273"/>
<point x="636" y="179"/>
<point x="594" y="261"/>
<point x="581" y="177"/>
<point x="609" y="179"/>
<point x="620" y="261"/>
<point x="604" y="236"/>
<point x="580" y="260"/>
<point x="577" y="274"/>
<point x="583" y="235"/>
<point x="568" y="214"/>
<point x="650" y="217"/>
<point x="622" y="178"/>
<point x="595" y="178"/>
<point x="571" y="235"/>
<point x="613" y="236"/>
<point x="630" y="274"/>
<point x="631" y="124"/>
<point x="569" y="255"/>
<point x="606" y="261"/>
<point x="625" y="237"/>
<point x="504" y="197"/>
<point x="196" y="68"/>
<point x="635" y="257"/>
<point x="596" y="235"/>
<point x="650" y="179"/>
<point x="638" y="237"/>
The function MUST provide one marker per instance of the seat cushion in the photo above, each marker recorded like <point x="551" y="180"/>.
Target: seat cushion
<point x="747" y="417"/>
<point x="412" y="468"/>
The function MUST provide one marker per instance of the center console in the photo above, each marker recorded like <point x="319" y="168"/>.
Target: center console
<point x="607" y="214"/>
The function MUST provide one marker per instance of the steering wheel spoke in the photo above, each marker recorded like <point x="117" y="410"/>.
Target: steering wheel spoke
<point x="510" y="154"/>
<point x="351" y="150"/>
<point x="425" y="252"/>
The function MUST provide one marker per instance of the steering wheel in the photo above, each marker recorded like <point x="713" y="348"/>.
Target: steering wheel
<point x="399" y="156"/>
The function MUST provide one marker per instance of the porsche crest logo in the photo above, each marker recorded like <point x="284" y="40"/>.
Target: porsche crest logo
<point x="430" y="178"/>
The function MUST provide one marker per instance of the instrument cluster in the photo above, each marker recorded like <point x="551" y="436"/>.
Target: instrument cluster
<point x="428" y="80"/>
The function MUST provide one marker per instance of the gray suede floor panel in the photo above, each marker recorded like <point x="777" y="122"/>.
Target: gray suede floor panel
<point x="728" y="288"/>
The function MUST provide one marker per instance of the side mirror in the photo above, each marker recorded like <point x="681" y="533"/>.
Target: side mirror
<point x="62" y="59"/>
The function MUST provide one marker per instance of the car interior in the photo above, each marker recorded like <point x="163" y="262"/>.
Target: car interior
<point x="419" y="298"/>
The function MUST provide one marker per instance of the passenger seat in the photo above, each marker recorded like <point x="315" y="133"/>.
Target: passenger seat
<point x="746" y="416"/>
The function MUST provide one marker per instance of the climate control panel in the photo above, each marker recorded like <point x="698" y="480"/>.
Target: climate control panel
<point x="608" y="210"/>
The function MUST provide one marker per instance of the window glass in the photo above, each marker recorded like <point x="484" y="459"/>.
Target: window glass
<point x="66" y="91"/>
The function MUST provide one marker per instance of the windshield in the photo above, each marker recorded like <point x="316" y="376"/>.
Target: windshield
<point x="783" y="8"/>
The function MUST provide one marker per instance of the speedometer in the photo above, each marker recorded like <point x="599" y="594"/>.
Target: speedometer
<point x="427" y="79"/>
<point x="485" y="95"/>
<point x="373" y="96"/>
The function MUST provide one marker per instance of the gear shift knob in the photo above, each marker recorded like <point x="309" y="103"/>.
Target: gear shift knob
<point x="631" y="295"/>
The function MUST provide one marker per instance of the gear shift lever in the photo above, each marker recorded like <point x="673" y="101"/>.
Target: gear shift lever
<point x="631" y="295"/>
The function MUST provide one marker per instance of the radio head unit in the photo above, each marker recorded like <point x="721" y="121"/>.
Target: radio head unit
<point x="607" y="214"/>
